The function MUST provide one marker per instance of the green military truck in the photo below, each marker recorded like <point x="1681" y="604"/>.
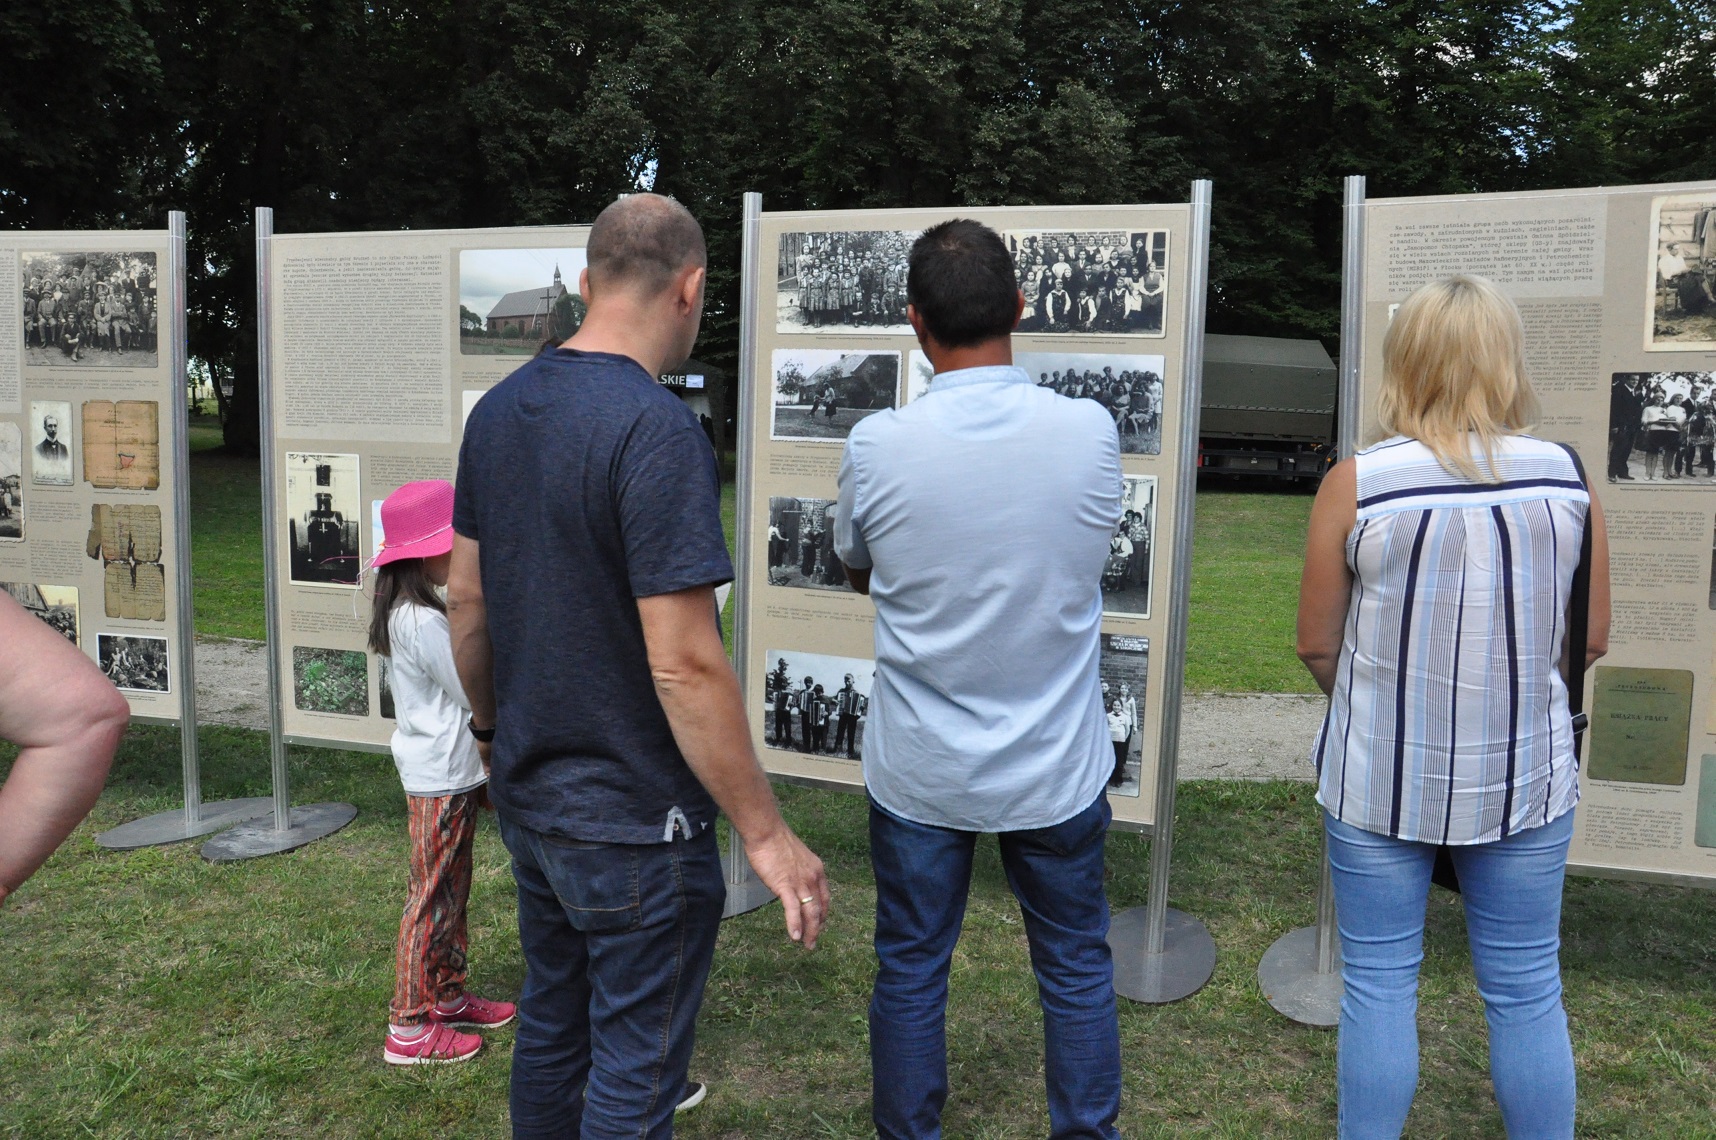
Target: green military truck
<point x="1268" y="408"/>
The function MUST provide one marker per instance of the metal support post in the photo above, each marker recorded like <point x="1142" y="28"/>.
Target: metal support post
<point x="288" y="829"/>
<point x="745" y="892"/>
<point x="1160" y="954"/>
<point x="1300" y="975"/>
<point x="195" y="818"/>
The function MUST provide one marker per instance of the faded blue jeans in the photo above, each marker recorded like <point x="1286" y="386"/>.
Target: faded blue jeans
<point x="617" y="939"/>
<point x="1512" y="893"/>
<point x="922" y="876"/>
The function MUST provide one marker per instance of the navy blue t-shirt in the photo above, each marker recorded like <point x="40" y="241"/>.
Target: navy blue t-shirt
<point x="588" y="486"/>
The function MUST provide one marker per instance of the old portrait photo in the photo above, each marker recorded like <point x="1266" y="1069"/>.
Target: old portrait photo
<point x="1129" y="387"/>
<point x="51" y="443"/>
<point x="1126" y="576"/>
<point x="330" y="680"/>
<point x="90" y="309"/>
<point x="801" y="545"/>
<point x="513" y="300"/>
<point x="11" y="482"/>
<point x="138" y="664"/>
<point x="1662" y="428"/>
<point x="816" y="703"/>
<point x="1124" y="671"/>
<point x="323" y="511"/>
<point x="843" y="282"/>
<point x="819" y="393"/>
<point x="384" y="667"/>
<point x="55" y="605"/>
<point x="1097" y="281"/>
<point x="1680" y="307"/>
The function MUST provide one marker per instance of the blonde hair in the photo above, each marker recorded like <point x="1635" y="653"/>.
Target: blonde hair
<point x="1453" y="365"/>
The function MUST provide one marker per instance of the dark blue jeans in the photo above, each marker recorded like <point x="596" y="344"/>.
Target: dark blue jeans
<point x="617" y="942"/>
<point x="922" y="876"/>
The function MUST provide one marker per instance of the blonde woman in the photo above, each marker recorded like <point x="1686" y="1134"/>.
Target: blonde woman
<point x="1433" y="613"/>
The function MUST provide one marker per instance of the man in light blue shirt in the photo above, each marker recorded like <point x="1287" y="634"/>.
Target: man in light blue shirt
<point x="978" y="517"/>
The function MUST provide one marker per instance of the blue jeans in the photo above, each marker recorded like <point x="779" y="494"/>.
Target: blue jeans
<point x="1512" y="893"/>
<point x="922" y="876"/>
<point x="617" y="941"/>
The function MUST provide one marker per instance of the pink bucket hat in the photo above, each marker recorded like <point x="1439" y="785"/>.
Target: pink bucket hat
<point x="416" y="522"/>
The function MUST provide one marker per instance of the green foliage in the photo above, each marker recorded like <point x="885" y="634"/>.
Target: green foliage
<point x="345" y="116"/>
<point x="330" y="680"/>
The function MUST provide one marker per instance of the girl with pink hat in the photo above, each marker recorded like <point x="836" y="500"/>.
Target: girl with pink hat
<point x="444" y="782"/>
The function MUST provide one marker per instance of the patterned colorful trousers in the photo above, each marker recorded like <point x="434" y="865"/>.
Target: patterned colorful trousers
<point x="430" y="960"/>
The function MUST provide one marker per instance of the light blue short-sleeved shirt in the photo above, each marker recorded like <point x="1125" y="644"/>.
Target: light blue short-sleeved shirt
<point x="984" y="510"/>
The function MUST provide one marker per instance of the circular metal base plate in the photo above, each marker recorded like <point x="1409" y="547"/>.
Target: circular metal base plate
<point x="258" y="836"/>
<point x="170" y="826"/>
<point x="1290" y="982"/>
<point x="1186" y="962"/>
<point x="748" y="893"/>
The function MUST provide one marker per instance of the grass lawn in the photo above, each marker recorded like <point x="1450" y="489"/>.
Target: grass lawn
<point x="152" y="994"/>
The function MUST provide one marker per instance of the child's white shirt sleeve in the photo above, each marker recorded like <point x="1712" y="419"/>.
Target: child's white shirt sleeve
<point x="435" y="652"/>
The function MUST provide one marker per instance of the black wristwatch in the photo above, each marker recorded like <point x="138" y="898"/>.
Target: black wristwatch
<point x="483" y="735"/>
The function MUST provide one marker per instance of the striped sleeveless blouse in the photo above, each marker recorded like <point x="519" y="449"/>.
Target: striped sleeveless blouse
<point x="1449" y="721"/>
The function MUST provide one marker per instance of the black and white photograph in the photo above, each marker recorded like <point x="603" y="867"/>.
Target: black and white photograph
<point x="1096" y="281"/>
<point x="50" y="443"/>
<point x="90" y="310"/>
<point x="843" y="282"/>
<point x="55" y="605"/>
<point x="1129" y="387"/>
<point x="1713" y="575"/>
<point x="801" y="545"/>
<point x="1125" y="671"/>
<point x="11" y="482"/>
<point x="919" y="373"/>
<point x="383" y="671"/>
<point x="135" y="664"/>
<point x="816" y="703"/>
<point x="1126" y="576"/>
<point x="1681" y="307"/>
<point x="330" y="680"/>
<point x="819" y="393"/>
<point x="323" y="512"/>
<point x="513" y="301"/>
<point x="1662" y="429"/>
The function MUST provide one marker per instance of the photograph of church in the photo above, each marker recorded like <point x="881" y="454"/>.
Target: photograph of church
<point x="512" y="301"/>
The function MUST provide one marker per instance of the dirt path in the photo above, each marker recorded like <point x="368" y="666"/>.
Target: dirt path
<point x="1238" y="736"/>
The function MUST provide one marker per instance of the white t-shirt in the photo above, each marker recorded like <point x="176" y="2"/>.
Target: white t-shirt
<point x="432" y="745"/>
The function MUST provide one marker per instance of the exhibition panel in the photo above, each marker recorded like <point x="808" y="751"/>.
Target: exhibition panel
<point x="1109" y="293"/>
<point x="1617" y="290"/>
<point x="92" y="445"/>
<point x="378" y="347"/>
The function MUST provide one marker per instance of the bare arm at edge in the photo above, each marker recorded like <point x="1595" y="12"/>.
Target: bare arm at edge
<point x="1326" y="588"/>
<point x="67" y="719"/>
<point x="858" y="579"/>
<point x="468" y="620"/>
<point x="699" y="692"/>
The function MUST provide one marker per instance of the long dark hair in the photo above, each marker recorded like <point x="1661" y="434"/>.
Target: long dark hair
<point x="402" y="581"/>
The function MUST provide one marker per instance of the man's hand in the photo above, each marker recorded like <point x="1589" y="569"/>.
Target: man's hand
<point x="794" y="873"/>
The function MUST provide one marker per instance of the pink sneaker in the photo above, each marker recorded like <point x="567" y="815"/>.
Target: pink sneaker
<point x="475" y="1013"/>
<point x="438" y="1045"/>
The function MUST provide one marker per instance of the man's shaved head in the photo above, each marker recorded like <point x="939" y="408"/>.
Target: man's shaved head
<point x="641" y="242"/>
